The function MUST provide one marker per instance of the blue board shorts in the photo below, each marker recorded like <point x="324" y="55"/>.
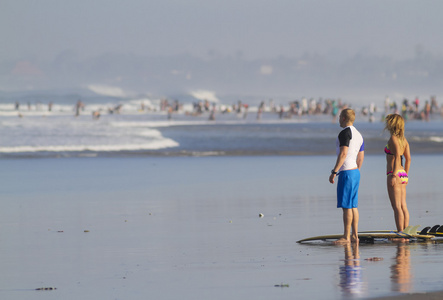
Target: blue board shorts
<point x="347" y="188"/>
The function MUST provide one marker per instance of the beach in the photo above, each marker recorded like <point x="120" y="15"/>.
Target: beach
<point x="182" y="150"/>
<point x="190" y="228"/>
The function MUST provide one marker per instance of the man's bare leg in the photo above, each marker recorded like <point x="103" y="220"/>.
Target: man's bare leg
<point x="347" y="223"/>
<point x="355" y="218"/>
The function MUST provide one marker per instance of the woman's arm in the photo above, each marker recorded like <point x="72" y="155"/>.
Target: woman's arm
<point x="407" y="155"/>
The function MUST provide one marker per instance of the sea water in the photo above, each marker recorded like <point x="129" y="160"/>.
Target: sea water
<point x="38" y="132"/>
<point x="205" y="228"/>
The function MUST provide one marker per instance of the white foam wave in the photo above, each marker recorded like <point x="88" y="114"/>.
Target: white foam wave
<point x="205" y="95"/>
<point x="7" y="106"/>
<point x="153" y="145"/>
<point x="169" y="123"/>
<point x="9" y="113"/>
<point x="156" y="124"/>
<point x="106" y="90"/>
<point x="150" y="133"/>
<point x="437" y="139"/>
<point x="130" y="124"/>
<point x="147" y="103"/>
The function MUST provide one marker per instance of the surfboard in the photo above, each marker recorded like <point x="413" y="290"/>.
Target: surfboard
<point x="370" y="236"/>
<point x="436" y="230"/>
<point x="408" y="230"/>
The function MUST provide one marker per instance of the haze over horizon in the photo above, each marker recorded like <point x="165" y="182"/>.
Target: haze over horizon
<point x="303" y="47"/>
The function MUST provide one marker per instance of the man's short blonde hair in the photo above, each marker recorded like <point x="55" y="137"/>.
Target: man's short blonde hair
<point x="348" y="114"/>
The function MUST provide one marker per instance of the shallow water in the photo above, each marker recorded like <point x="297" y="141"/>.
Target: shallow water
<point x="60" y="134"/>
<point x="189" y="228"/>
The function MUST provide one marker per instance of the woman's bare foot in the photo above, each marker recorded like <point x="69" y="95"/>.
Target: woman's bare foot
<point x="342" y="241"/>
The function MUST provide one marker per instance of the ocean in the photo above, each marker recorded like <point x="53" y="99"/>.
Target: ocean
<point x="124" y="129"/>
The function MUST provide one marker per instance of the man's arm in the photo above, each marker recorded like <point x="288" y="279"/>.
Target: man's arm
<point x="360" y="158"/>
<point x="340" y="160"/>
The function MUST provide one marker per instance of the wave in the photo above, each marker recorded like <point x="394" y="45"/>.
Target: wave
<point x="153" y="145"/>
<point x="170" y="123"/>
<point x="155" y="124"/>
<point x="150" y="133"/>
<point x="205" y="95"/>
<point x="106" y="90"/>
<point x="437" y="139"/>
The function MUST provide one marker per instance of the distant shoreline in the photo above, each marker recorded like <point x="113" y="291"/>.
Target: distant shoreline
<point x="165" y="154"/>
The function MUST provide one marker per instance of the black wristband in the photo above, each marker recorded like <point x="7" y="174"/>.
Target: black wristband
<point x="333" y="172"/>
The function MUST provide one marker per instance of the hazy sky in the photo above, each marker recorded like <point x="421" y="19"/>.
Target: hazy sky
<point x="252" y="28"/>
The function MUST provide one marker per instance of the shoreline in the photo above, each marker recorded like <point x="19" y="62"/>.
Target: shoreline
<point x="182" y="153"/>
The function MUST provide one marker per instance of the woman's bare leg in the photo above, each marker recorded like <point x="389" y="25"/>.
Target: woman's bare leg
<point x="395" y="196"/>
<point x="404" y="207"/>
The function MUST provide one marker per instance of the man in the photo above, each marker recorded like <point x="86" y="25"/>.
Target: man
<point x="350" y="156"/>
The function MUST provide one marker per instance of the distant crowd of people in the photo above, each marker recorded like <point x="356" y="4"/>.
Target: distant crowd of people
<point x="409" y="110"/>
<point x="38" y="106"/>
<point x="413" y="110"/>
<point x="293" y="109"/>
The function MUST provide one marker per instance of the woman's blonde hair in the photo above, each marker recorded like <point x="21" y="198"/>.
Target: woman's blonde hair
<point x="395" y="124"/>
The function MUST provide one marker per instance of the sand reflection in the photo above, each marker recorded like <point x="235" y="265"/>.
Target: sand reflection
<point x="401" y="270"/>
<point x="351" y="281"/>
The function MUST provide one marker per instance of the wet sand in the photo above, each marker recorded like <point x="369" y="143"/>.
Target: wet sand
<point x="190" y="228"/>
<point x="416" y="296"/>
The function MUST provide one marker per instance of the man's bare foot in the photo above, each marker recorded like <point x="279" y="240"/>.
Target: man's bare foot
<point x="355" y="240"/>
<point x="342" y="241"/>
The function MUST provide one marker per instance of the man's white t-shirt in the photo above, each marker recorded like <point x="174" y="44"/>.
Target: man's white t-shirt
<point x="351" y="138"/>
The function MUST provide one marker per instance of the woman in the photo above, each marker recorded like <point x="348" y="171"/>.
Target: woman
<point x="397" y="173"/>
